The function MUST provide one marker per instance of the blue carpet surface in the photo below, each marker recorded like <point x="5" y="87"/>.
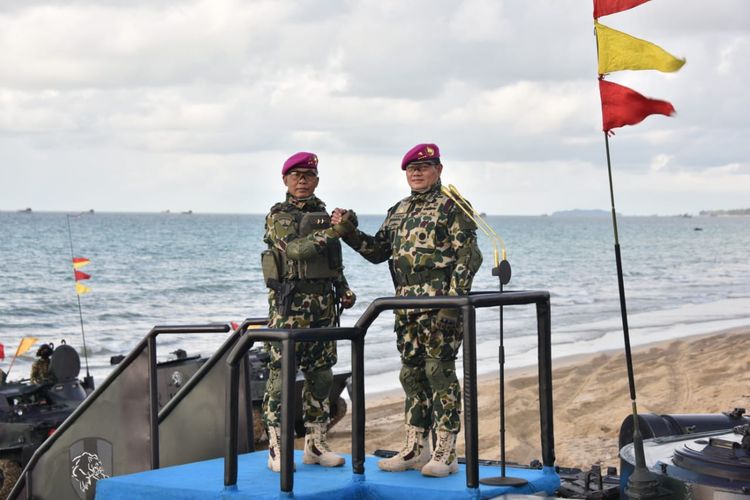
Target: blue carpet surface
<point x="205" y="480"/>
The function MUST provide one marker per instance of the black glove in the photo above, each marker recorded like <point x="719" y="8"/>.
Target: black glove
<point x="343" y="228"/>
<point x="351" y="216"/>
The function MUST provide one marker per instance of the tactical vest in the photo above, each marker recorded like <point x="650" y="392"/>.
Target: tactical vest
<point x="278" y="267"/>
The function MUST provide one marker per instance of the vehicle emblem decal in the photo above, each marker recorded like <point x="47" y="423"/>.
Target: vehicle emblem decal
<point x="90" y="460"/>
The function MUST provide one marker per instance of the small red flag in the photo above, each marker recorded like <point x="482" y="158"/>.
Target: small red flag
<point x="624" y="106"/>
<point x="2" y="352"/>
<point x="80" y="275"/>
<point x="79" y="262"/>
<point x="607" y="7"/>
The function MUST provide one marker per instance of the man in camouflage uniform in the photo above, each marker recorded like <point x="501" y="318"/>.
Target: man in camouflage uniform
<point x="303" y="270"/>
<point x="432" y="249"/>
<point x="40" y="369"/>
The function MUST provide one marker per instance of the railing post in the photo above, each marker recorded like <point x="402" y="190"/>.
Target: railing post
<point x="471" y="432"/>
<point x="153" y="401"/>
<point x="358" y="405"/>
<point x="232" y="426"/>
<point x="288" y="378"/>
<point x="544" y="333"/>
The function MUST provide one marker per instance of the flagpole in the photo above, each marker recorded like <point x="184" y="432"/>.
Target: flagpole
<point x="78" y="296"/>
<point x="642" y="483"/>
<point x="11" y="364"/>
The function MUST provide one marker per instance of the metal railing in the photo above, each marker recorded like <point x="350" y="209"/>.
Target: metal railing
<point x="119" y="399"/>
<point x="288" y="339"/>
<point x="466" y="304"/>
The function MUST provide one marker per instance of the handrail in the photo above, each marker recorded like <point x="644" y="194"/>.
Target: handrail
<point x="148" y="344"/>
<point x="288" y="338"/>
<point x="466" y="303"/>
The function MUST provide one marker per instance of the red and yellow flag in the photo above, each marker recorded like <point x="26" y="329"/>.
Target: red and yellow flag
<point x="79" y="262"/>
<point x="624" y="106"/>
<point x="619" y="51"/>
<point x="80" y="275"/>
<point x="607" y="7"/>
<point x="81" y="288"/>
<point x="25" y="345"/>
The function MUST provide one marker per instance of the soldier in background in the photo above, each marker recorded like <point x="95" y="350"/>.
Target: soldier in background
<point x="431" y="248"/>
<point x="40" y="369"/>
<point x="304" y="272"/>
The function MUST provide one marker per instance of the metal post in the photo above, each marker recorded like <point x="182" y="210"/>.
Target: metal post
<point x="358" y="405"/>
<point x="288" y="376"/>
<point x="544" y="334"/>
<point x="232" y="427"/>
<point x="153" y="401"/>
<point x="502" y="270"/>
<point x="471" y="431"/>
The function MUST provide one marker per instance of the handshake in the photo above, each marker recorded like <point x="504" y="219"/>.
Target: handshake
<point x="343" y="222"/>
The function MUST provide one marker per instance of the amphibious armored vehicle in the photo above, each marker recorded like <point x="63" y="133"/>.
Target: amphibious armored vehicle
<point x="29" y="413"/>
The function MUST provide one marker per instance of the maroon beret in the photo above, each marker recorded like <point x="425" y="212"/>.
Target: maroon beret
<point x="300" y="160"/>
<point x="428" y="153"/>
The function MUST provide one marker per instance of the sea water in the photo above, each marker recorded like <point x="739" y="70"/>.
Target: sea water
<point x="683" y="276"/>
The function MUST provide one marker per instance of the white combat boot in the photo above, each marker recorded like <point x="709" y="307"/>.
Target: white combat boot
<point x="414" y="454"/>
<point x="317" y="450"/>
<point x="443" y="461"/>
<point x="274" y="449"/>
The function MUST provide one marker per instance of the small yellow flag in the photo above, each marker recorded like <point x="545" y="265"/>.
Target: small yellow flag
<point x="25" y="345"/>
<point x="619" y="51"/>
<point x="81" y="289"/>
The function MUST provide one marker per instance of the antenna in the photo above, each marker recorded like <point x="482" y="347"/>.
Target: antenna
<point x="89" y="381"/>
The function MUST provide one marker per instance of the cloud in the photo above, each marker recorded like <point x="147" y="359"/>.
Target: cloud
<point x="192" y="103"/>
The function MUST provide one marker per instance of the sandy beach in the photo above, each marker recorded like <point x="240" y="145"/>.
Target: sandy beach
<point x="707" y="373"/>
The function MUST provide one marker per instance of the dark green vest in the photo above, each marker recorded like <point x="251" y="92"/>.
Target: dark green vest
<point x="327" y="265"/>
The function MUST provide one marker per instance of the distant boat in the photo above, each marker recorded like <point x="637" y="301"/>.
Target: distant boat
<point x="187" y="212"/>
<point x="25" y="211"/>
<point x="165" y="211"/>
<point x="91" y="210"/>
<point x="697" y="229"/>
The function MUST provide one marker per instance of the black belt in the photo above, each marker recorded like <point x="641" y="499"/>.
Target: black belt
<point x="316" y="287"/>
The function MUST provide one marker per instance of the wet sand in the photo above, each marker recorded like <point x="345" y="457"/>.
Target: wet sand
<point x="700" y="374"/>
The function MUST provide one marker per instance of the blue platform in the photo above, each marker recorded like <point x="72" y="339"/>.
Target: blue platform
<point x="205" y="480"/>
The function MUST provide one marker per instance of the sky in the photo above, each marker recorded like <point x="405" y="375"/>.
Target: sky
<point x="153" y="105"/>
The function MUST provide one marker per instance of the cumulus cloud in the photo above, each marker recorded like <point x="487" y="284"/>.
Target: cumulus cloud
<point x="196" y="103"/>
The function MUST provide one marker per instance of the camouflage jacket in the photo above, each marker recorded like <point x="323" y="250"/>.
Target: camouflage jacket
<point x="40" y="371"/>
<point x="430" y="243"/>
<point x="282" y="233"/>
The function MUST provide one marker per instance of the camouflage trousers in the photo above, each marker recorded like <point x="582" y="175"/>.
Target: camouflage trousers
<point x="315" y="359"/>
<point x="428" y="351"/>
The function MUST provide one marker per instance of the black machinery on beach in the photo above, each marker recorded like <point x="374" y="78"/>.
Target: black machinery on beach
<point x="30" y="412"/>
